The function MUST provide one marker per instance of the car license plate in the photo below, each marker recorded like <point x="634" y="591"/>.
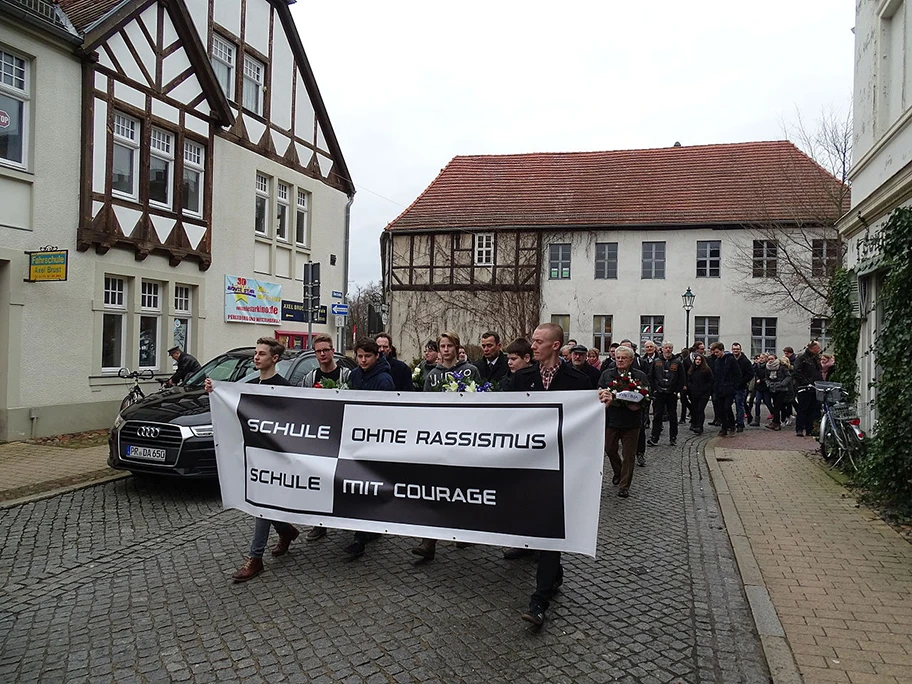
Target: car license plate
<point x="146" y="452"/>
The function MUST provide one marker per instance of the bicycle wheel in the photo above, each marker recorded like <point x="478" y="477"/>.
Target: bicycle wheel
<point x="828" y="445"/>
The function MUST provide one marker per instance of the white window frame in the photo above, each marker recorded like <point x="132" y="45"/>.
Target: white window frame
<point x="127" y="134"/>
<point x="601" y="340"/>
<point x="254" y="77"/>
<point x="150" y="299"/>
<point x="484" y="249"/>
<point x="194" y="162"/>
<point x="606" y="261"/>
<point x="302" y="232"/>
<point x="653" y="265"/>
<point x="825" y="257"/>
<point x="706" y="262"/>
<point x="283" y="211"/>
<point x="161" y="147"/>
<point x="183" y="312"/>
<point x="822" y="332"/>
<point x="764" y="342"/>
<point x="765" y="259"/>
<point x="115" y="304"/>
<point x="224" y="52"/>
<point x="17" y="88"/>
<point x="262" y="193"/>
<point x="656" y="323"/>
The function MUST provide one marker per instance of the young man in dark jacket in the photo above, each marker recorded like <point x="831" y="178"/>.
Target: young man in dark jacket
<point x="372" y="373"/>
<point x="399" y="371"/>
<point x="747" y="372"/>
<point x="548" y="373"/>
<point x="726" y="376"/>
<point x="666" y="378"/>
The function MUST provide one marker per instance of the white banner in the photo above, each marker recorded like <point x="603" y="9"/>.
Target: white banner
<point x="509" y="469"/>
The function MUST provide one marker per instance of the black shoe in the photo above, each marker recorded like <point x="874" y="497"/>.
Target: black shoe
<point x="535" y="615"/>
<point x="513" y="554"/>
<point x="641" y="460"/>
<point x="652" y="441"/>
<point x="355" y="549"/>
<point x="698" y="431"/>
<point x="715" y="423"/>
<point x="673" y="442"/>
<point x="739" y="428"/>
<point x="616" y="480"/>
<point x="623" y="492"/>
<point x="722" y="433"/>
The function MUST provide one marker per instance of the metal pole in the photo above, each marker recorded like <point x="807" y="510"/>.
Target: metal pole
<point x="687" y="331"/>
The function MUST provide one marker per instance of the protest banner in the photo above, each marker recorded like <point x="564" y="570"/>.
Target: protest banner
<point x="512" y="469"/>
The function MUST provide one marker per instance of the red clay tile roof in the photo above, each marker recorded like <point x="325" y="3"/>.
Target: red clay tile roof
<point x="84" y="13"/>
<point x="703" y="184"/>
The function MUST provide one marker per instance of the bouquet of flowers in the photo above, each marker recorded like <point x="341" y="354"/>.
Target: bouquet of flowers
<point x="627" y="390"/>
<point x="470" y="386"/>
<point x="418" y="376"/>
<point x="327" y="383"/>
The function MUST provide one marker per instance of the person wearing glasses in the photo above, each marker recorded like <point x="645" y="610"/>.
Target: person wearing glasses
<point x="327" y="370"/>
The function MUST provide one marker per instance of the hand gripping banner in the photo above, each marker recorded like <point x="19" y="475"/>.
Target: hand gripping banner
<point x="510" y="469"/>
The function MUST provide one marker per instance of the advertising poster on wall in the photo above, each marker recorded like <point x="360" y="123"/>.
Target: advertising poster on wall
<point x="252" y="301"/>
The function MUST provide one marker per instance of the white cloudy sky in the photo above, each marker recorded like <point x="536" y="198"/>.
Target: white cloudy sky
<point x="411" y="84"/>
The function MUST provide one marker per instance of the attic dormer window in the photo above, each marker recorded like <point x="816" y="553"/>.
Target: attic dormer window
<point x="253" y="85"/>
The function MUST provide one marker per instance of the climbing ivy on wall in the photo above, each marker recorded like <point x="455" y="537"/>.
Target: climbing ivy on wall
<point x="844" y="330"/>
<point x="887" y="472"/>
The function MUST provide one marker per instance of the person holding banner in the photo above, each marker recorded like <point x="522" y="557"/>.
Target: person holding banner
<point x="372" y="373"/>
<point x="547" y="373"/>
<point x="267" y="355"/>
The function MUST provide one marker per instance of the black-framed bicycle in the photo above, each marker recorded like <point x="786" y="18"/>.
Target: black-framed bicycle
<point x="841" y="437"/>
<point x="135" y="392"/>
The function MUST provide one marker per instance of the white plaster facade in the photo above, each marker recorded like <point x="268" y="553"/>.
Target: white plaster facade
<point x="881" y="173"/>
<point x="52" y="378"/>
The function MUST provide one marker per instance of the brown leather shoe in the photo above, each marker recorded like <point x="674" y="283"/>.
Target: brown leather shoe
<point x="426" y="549"/>
<point x="281" y="547"/>
<point x="250" y="569"/>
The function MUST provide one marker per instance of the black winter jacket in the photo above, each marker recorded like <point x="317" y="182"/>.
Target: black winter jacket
<point x="726" y="374"/>
<point x="567" y="377"/>
<point x="747" y="371"/>
<point x="700" y="384"/>
<point x="666" y="376"/>
<point x="495" y="374"/>
<point x="377" y="377"/>
<point x="806" y="369"/>
<point x="401" y="374"/>
<point x="619" y="415"/>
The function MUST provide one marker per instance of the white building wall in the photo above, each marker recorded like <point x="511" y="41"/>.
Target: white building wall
<point x="629" y="297"/>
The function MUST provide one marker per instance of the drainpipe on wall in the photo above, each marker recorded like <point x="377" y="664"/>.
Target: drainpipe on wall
<point x="341" y="336"/>
<point x="33" y="416"/>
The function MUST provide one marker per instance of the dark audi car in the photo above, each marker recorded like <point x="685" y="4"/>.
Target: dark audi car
<point x="170" y="432"/>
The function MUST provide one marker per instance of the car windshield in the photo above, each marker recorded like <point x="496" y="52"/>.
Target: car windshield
<point x="281" y="368"/>
<point x="220" y="368"/>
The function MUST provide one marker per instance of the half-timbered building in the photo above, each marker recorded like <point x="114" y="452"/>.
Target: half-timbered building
<point x="173" y="147"/>
<point x="606" y="243"/>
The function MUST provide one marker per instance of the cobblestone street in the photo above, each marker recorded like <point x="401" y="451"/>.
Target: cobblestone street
<point x="129" y="581"/>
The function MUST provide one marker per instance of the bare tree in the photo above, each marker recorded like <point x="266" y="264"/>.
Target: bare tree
<point x="804" y="243"/>
<point x="359" y="305"/>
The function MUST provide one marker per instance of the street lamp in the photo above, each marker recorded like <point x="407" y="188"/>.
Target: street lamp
<point x="688" y="299"/>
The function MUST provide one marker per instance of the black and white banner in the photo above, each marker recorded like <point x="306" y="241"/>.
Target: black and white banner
<point x="511" y="469"/>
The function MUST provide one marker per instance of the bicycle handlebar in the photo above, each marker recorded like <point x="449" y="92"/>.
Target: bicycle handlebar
<point x="147" y="374"/>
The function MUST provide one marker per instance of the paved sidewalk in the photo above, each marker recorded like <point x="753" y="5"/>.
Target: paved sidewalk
<point x="838" y="576"/>
<point x="29" y="470"/>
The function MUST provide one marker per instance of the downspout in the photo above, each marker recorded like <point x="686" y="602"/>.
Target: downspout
<point x="341" y="334"/>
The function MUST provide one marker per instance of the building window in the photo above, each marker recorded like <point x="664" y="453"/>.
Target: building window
<point x="709" y="259"/>
<point x="261" y="225"/>
<point x="222" y="59"/>
<point x="825" y="258"/>
<point x="182" y="311"/>
<point x="820" y="331"/>
<point x="652" y="328"/>
<point x="763" y="335"/>
<point x="282" y="211"/>
<point x="14" y="100"/>
<point x="194" y="160"/>
<point x="706" y="330"/>
<point x="112" y="333"/>
<point x="253" y="85"/>
<point x="601" y="333"/>
<point x="563" y="320"/>
<point x="161" y="160"/>
<point x="606" y="260"/>
<point x="149" y="323"/>
<point x="559" y="262"/>
<point x="126" y="156"/>
<point x="484" y="249"/>
<point x="766" y="254"/>
<point x="302" y="226"/>
<point x="653" y="261"/>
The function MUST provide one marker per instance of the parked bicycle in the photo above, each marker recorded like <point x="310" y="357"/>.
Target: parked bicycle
<point x="841" y="437"/>
<point x="135" y="392"/>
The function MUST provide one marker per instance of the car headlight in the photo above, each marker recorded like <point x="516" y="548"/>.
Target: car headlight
<point x="119" y="422"/>
<point x="201" y="430"/>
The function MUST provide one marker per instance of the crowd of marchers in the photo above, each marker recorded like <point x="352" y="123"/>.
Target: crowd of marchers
<point x="641" y="392"/>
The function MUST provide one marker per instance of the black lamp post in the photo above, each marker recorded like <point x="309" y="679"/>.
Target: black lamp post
<point x="688" y="299"/>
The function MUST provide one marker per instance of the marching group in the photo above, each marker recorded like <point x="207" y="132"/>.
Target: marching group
<point x="629" y="384"/>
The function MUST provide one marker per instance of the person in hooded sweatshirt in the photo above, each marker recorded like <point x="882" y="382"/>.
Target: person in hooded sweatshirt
<point x="449" y="368"/>
<point x="372" y="373"/>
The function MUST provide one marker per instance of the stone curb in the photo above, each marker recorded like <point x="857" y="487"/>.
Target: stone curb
<point x="779" y="656"/>
<point x="58" y="490"/>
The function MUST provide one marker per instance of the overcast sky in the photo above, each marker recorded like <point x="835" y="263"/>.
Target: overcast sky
<point x="410" y="85"/>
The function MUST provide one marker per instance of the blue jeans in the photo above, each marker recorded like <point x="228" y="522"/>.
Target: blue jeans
<point x="261" y="534"/>
<point x="740" y="399"/>
<point x="762" y="397"/>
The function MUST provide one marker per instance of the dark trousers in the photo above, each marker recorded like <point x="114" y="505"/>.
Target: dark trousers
<point x="548" y="578"/>
<point x="698" y="411"/>
<point x="623" y="468"/>
<point x="641" y="440"/>
<point x="722" y="405"/>
<point x="685" y="404"/>
<point x="780" y="410"/>
<point x="665" y="404"/>
<point x="807" y="412"/>
<point x="762" y="397"/>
